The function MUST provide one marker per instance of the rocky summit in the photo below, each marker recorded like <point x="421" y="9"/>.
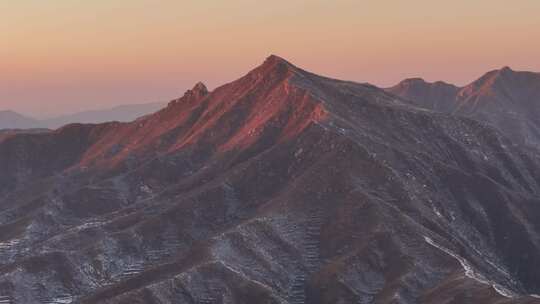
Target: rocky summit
<point x="506" y="99"/>
<point x="280" y="187"/>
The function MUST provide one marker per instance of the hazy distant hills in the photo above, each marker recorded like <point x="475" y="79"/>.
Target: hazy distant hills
<point x="14" y="120"/>
<point x="124" y="113"/>
<point x="504" y="98"/>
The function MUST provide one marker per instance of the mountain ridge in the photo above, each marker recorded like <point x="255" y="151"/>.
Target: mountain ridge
<point x="504" y="98"/>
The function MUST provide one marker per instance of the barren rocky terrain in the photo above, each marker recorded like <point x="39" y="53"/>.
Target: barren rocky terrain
<point x="280" y="187"/>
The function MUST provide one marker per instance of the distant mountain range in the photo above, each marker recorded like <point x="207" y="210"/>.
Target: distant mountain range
<point x="509" y="100"/>
<point x="124" y="113"/>
<point x="14" y="120"/>
<point x="281" y="187"/>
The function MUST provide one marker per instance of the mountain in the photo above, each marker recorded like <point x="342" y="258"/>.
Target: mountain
<point x="124" y="113"/>
<point x="13" y="120"/>
<point x="280" y="187"/>
<point x="506" y="99"/>
<point x="439" y="96"/>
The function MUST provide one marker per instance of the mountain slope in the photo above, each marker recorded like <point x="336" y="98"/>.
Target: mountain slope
<point x="507" y="99"/>
<point x="280" y="187"/>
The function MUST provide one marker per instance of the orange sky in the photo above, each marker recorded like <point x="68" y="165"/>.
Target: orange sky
<point x="68" y="55"/>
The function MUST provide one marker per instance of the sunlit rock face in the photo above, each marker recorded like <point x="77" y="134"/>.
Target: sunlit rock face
<point x="280" y="187"/>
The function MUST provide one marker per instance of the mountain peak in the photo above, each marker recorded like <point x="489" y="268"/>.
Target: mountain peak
<point x="275" y="63"/>
<point x="506" y="69"/>
<point x="503" y="72"/>
<point x="200" y="89"/>
<point x="491" y="80"/>
<point x="274" y="59"/>
<point x="418" y="83"/>
<point x="196" y="93"/>
<point x="413" y="80"/>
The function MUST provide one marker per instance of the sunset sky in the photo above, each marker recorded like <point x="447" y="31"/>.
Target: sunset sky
<point x="62" y="56"/>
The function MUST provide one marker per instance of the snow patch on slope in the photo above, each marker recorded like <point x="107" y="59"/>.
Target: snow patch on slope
<point x="470" y="272"/>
